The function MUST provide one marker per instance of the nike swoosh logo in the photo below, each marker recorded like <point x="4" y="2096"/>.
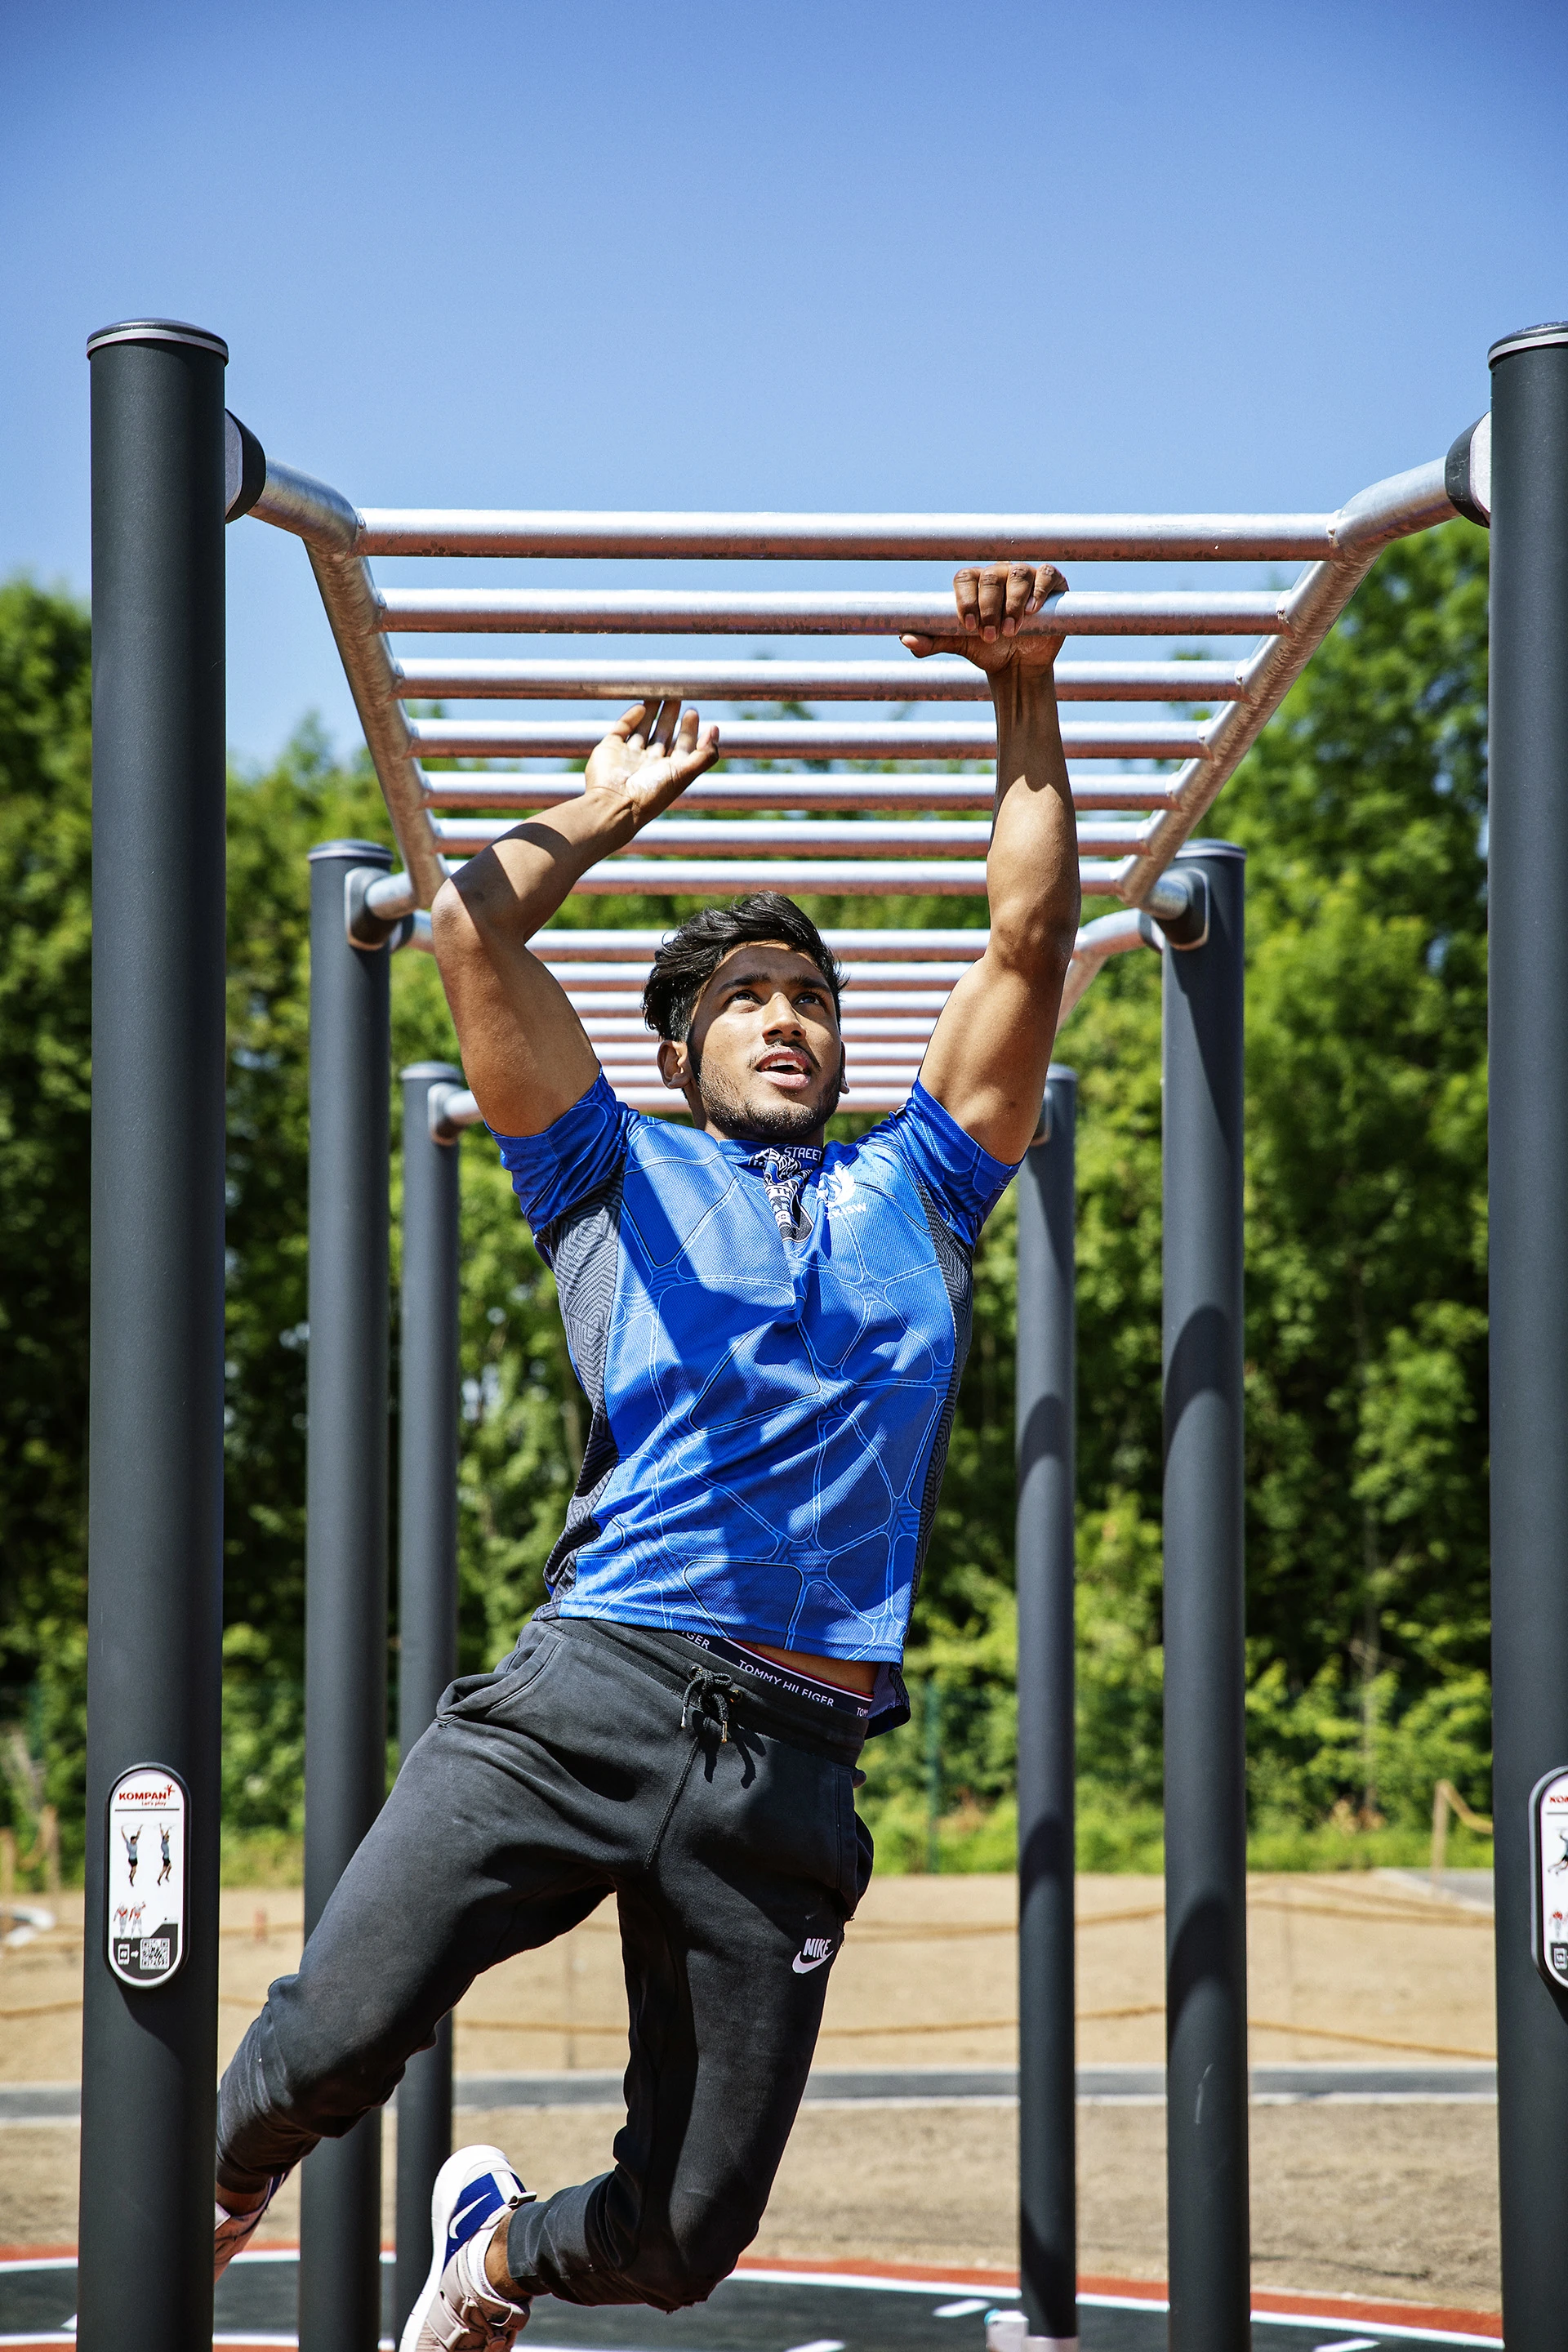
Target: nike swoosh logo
<point x="802" y="1967"/>
<point x="486" y="2197"/>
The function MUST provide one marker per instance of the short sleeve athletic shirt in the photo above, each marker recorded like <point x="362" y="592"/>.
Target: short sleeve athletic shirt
<point x="770" y="1341"/>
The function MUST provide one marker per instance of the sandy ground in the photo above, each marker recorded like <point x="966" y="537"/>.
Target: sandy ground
<point x="1340" y="1967"/>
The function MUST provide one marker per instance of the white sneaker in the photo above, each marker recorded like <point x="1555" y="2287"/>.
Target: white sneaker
<point x="459" y="2310"/>
<point x="233" y="2231"/>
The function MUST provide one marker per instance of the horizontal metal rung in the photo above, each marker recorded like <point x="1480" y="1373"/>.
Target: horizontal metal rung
<point x="560" y="943"/>
<point x="838" y="878"/>
<point x="803" y="837"/>
<point x="743" y="738"/>
<point x="1149" y="681"/>
<point x="916" y="538"/>
<point x="890" y="1028"/>
<point x="626" y="1002"/>
<point x="887" y="794"/>
<point x="789" y="613"/>
<point x="879" y="1070"/>
<point x="663" y="1102"/>
<point x="644" y="679"/>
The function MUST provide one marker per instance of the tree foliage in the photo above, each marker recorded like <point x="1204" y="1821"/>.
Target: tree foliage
<point x="1363" y="812"/>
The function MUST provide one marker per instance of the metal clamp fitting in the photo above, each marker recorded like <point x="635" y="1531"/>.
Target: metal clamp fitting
<point x="244" y="468"/>
<point x="439" y="1099"/>
<point x="1467" y="472"/>
<point x="366" y="928"/>
<point x="1179" y="903"/>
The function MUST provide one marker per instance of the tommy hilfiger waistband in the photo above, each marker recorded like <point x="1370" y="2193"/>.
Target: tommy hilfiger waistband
<point x="791" y="1707"/>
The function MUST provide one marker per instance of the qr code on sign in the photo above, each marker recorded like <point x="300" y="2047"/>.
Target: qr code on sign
<point x="155" y="1951"/>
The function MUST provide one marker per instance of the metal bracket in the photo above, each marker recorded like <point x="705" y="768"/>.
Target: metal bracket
<point x="244" y="468"/>
<point x="1467" y="472"/>
<point x="440" y="1096"/>
<point x="1179" y="903"/>
<point x="365" y="929"/>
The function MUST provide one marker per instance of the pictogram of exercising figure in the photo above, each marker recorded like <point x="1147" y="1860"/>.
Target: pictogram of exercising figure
<point x="131" y="1840"/>
<point x="168" y="1865"/>
<point x="1562" y="1860"/>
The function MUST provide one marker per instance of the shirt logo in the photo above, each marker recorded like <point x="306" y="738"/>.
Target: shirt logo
<point x="839" y="1186"/>
<point x="812" y="1953"/>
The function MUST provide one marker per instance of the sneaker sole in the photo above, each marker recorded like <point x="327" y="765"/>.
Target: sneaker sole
<point x="457" y="2169"/>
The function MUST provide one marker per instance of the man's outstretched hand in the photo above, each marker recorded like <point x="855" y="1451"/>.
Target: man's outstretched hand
<point x="649" y="762"/>
<point x="992" y="601"/>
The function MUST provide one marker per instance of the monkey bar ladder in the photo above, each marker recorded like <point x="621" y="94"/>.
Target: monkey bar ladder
<point x="870" y="805"/>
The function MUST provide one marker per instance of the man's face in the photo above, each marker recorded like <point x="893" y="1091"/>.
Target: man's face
<point x="763" y="1057"/>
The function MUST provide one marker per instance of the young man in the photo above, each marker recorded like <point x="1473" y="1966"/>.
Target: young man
<point x="771" y="1334"/>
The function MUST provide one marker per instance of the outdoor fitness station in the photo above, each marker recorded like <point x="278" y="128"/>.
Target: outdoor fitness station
<point x="168" y="467"/>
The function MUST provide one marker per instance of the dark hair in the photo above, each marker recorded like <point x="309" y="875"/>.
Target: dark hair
<point x="690" y="956"/>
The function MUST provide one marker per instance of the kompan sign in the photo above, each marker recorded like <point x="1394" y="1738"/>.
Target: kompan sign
<point x="145" y="1921"/>
<point x="1548" y="1876"/>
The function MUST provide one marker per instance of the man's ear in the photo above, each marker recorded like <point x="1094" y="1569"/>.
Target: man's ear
<point x="843" y="1067"/>
<point x="674" y="1067"/>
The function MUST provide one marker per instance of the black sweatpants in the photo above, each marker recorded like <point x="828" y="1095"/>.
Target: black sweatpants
<point x="594" y="1759"/>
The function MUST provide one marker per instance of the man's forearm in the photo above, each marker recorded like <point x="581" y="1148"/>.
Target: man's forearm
<point x="519" y="882"/>
<point x="1031" y="871"/>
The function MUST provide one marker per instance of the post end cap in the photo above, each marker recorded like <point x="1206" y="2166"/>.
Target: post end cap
<point x="364" y="852"/>
<point x="1528" y="339"/>
<point x="1209" y="849"/>
<point x="158" y="331"/>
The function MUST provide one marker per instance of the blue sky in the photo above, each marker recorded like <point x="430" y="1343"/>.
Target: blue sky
<point x="697" y="255"/>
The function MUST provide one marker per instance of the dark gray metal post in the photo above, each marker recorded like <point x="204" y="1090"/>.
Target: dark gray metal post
<point x="1048" y="2137"/>
<point x="1205" y="1764"/>
<point x="1528" y="1150"/>
<point x="155" y="1460"/>
<point x="427" y="1586"/>
<point x="345" y="1535"/>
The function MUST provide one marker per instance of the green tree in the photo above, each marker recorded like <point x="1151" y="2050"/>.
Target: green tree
<point x="45" y="1085"/>
<point x="1362" y="810"/>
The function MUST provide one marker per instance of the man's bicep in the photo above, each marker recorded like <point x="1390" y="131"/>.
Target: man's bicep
<point x="525" y="1052"/>
<point x="989" y="1055"/>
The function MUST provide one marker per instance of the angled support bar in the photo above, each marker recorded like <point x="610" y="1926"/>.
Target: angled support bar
<point x="330" y="527"/>
<point x="1395" y="509"/>
<point x="1097" y="942"/>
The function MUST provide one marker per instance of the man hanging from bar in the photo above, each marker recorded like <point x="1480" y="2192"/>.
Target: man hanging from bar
<point x="771" y="1331"/>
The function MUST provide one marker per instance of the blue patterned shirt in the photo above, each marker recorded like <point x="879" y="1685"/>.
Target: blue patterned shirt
<point x="771" y="1342"/>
